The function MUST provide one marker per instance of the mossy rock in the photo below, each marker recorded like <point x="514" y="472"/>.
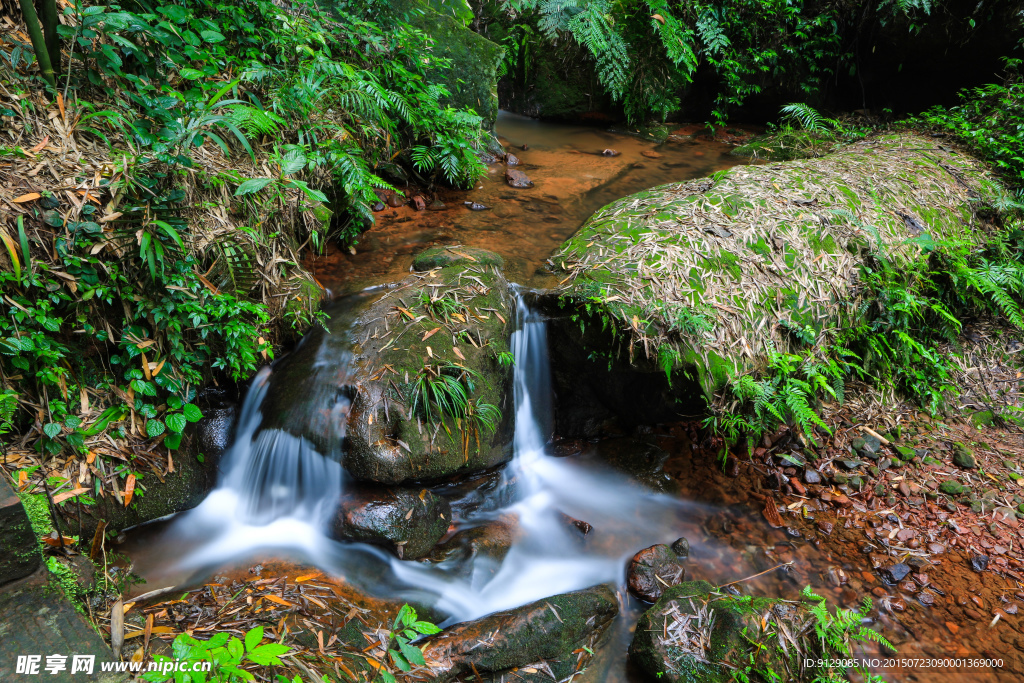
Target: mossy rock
<point x="983" y="418"/>
<point x="442" y="257"/>
<point x="963" y="456"/>
<point x="549" y="629"/>
<point x="406" y="521"/>
<point x="471" y="75"/>
<point x="952" y="487"/>
<point x="741" y="636"/>
<point x="703" y="276"/>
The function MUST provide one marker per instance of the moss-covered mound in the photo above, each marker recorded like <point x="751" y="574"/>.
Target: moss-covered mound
<point x="711" y="274"/>
<point x="434" y="376"/>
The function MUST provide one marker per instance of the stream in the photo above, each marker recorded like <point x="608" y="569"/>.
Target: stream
<point x="277" y="493"/>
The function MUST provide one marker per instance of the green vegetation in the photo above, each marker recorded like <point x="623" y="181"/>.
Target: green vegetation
<point x="225" y="654"/>
<point x="216" y="142"/>
<point x="990" y="121"/>
<point x="645" y="53"/>
<point x="442" y="393"/>
<point x="406" y="628"/>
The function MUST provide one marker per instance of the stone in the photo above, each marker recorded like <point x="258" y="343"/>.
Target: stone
<point x="962" y="456"/>
<point x="491" y="540"/>
<point x="19" y="547"/>
<point x="952" y="487"/>
<point x="349" y="390"/>
<point x="979" y="563"/>
<point x="516" y="178"/>
<point x="681" y="547"/>
<point x="811" y="476"/>
<point x="652" y="570"/>
<point x="443" y="257"/>
<point x="406" y="521"/>
<point x="893" y="574"/>
<point x="36" y="618"/>
<point x="548" y="629"/>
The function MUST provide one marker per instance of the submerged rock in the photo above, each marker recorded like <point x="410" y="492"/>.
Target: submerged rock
<point x="408" y="522"/>
<point x="548" y="629"/>
<point x="517" y="178"/>
<point x="491" y="540"/>
<point x="654" y="569"/>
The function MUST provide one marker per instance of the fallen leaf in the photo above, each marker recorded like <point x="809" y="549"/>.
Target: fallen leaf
<point x="39" y="147"/>
<point x="307" y="577"/>
<point x="129" y="489"/>
<point x="60" y="498"/>
<point x="430" y="334"/>
<point x="280" y="601"/>
<point x="458" y="352"/>
<point x="26" y="197"/>
<point x="771" y="513"/>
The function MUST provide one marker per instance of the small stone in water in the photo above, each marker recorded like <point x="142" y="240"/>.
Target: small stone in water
<point x="681" y="547"/>
<point x="926" y="598"/>
<point x="895" y="573"/>
<point x="476" y="206"/>
<point x="609" y="153"/>
<point x="979" y="562"/>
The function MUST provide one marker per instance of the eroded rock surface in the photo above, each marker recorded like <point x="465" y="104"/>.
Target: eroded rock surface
<point x="408" y="522"/>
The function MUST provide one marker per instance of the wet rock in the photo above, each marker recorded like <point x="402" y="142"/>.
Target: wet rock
<point x="962" y="457"/>
<point x="652" y="570"/>
<point x="215" y="431"/>
<point x="19" y="549"/>
<point x="476" y="206"/>
<point x="511" y="160"/>
<point x="650" y="154"/>
<point x="395" y="200"/>
<point x="548" y="629"/>
<point x="681" y="547"/>
<point x="609" y="153"/>
<point x="578" y="525"/>
<point x="893" y="574"/>
<point x="517" y="178"/>
<point x="377" y="207"/>
<point x="442" y="257"/>
<point x="979" y="563"/>
<point x="491" y="540"/>
<point x="867" y="446"/>
<point x="811" y="476"/>
<point x="677" y="641"/>
<point x="406" y="521"/>
<point x="438" y="205"/>
<point x="419" y="203"/>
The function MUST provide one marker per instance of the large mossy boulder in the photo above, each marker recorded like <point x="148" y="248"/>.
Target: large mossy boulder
<point x="410" y="383"/>
<point x="709" y="274"/>
<point x="695" y="634"/>
<point x="550" y="629"/>
<point x="471" y="74"/>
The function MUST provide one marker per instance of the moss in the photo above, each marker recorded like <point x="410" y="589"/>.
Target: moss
<point x="38" y="510"/>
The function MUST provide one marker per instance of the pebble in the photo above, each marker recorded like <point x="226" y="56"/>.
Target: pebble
<point x="953" y="628"/>
<point x="936" y="548"/>
<point x="878" y="592"/>
<point x="797" y="486"/>
<point x="979" y="562"/>
<point x="894" y="573"/>
<point x="825" y="527"/>
<point x="926" y="598"/>
<point x="973" y="614"/>
<point x="811" y="476"/>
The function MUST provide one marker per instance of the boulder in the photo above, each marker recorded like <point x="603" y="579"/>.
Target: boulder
<point x="19" y="548"/>
<point x="408" y="522"/>
<point x="694" y="634"/>
<point x="37" y="619"/>
<point x="703" y="276"/>
<point x="548" y="629"/>
<point x="355" y="391"/>
<point x="517" y="178"/>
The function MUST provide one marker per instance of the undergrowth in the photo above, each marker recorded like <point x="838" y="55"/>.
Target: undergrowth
<point x="216" y="141"/>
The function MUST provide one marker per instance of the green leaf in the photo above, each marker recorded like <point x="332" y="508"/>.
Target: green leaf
<point x="268" y="654"/>
<point x="192" y="412"/>
<point x="154" y="428"/>
<point x="192" y="74"/>
<point x="406" y="616"/>
<point x="253" y="637"/>
<point x="73" y="422"/>
<point x="173" y="441"/>
<point x="176" y="422"/>
<point x="174" y="403"/>
<point x="236" y="650"/>
<point x="426" y="628"/>
<point x="413" y="654"/>
<point x="212" y="36"/>
<point x="252" y="185"/>
<point x="51" y="429"/>
<point x="399" y="660"/>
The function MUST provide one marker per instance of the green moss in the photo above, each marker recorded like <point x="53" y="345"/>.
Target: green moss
<point x="38" y="510"/>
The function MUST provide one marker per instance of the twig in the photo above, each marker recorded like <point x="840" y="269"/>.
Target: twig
<point x="778" y="566"/>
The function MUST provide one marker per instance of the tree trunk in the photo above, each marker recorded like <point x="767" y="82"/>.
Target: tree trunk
<point x="28" y="10"/>
<point x="50" y="21"/>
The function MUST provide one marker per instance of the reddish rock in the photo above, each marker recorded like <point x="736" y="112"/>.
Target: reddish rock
<point x="652" y="570"/>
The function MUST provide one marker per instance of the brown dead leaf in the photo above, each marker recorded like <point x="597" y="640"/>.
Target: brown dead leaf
<point x="129" y="489"/>
<point x="26" y="198"/>
<point x="430" y="334"/>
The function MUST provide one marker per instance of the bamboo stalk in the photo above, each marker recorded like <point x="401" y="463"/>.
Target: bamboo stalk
<point x="28" y="10"/>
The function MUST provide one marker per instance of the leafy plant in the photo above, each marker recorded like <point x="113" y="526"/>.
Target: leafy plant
<point x="406" y="628"/>
<point x="225" y="654"/>
<point x="443" y="393"/>
<point x="837" y="632"/>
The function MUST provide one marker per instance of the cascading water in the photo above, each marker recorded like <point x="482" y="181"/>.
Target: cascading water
<point x="278" y="492"/>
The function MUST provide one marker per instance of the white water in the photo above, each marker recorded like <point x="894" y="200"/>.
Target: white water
<point x="277" y="494"/>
